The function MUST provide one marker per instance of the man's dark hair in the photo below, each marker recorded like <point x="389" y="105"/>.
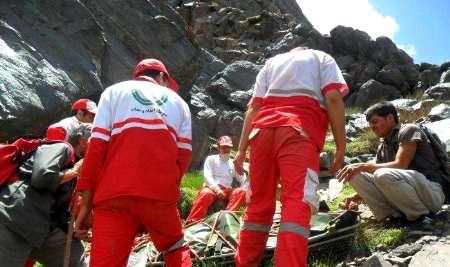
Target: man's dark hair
<point x="382" y="109"/>
<point x="81" y="131"/>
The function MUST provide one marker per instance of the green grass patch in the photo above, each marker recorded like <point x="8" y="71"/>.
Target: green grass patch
<point x="346" y="192"/>
<point x="190" y="194"/>
<point x="190" y="184"/>
<point x="329" y="147"/>
<point x="375" y="235"/>
<point x="193" y="180"/>
<point x="322" y="262"/>
<point x="365" y="143"/>
<point x="187" y="198"/>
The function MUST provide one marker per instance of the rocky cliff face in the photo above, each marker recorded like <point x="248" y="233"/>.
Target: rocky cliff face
<point x="52" y="52"/>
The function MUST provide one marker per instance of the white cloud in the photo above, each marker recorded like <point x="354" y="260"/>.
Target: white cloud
<point x="358" y="14"/>
<point x="410" y="49"/>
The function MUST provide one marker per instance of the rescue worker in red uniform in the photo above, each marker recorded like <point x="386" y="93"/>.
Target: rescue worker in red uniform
<point x="219" y="173"/>
<point x="296" y="95"/>
<point x="83" y="112"/>
<point x="140" y="148"/>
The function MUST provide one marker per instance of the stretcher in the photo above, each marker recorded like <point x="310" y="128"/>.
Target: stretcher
<point x="213" y="241"/>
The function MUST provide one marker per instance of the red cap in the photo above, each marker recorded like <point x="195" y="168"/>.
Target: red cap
<point x="154" y="64"/>
<point x="85" y="104"/>
<point x="225" y="141"/>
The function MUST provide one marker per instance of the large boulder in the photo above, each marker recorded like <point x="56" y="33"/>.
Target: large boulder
<point x="47" y="60"/>
<point x="369" y="71"/>
<point x="404" y="104"/>
<point x="266" y="27"/>
<point x="218" y="107"/>
<point x="140" y="29"/>
<point x="29" y="87"/>
<point x="445" y="77"/>
<point x="345" y="61"/>
<point x="444" y="67"/>
<point x="437" y="254"/>
<point x="439" y="112"/>
<point x="373" y="91"/>
<point x="239" y="76"/>
<point x="230" y="123"/>
<point x="54" y="52"/>
<point x="210" y="67"/>
<point x="410" y="73"/>
<point x="202" y="123"/>
<point x="376" y="260"/>
<point x="301" y="35"/>
<point x="440" y="91"/>
<point x="390" y="75"/>
<point x="427" y="78"/>
<point x="241" y="30"/>
<point x="381" y="50"/>
<point x="441" y="129"/>
<point x="210" y="123"/>
<point x="405" y="107"/>
<point x="292" y="7"/>
<point x="400" y="57"/>
<point x="240" y="98"/>
<point x="355" y="124"/>
<point x="347" y="40"/>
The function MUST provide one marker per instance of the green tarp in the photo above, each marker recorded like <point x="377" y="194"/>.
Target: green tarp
<point x="215" y="239"/>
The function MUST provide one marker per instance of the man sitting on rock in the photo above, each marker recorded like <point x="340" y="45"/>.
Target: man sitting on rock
<point x="219" y="173"/>
<point x="406" y="180"/>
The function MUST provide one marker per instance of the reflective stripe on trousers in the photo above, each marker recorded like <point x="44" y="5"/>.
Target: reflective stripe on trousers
<point x="294" y="228"/>
<point x="255" y="227"/>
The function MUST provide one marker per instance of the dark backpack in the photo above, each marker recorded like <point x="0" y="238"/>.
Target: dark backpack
<point x="12" y="155"/>
<point x="439" y="149"/>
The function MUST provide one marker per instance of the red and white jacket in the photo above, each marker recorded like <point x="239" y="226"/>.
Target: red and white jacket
<point x="290" y="89"/>
<point x="61" y="130"/>
<point x="140" y="144"/>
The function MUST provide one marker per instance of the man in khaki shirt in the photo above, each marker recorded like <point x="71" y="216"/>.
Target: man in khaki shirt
<point x="406" y="179"/>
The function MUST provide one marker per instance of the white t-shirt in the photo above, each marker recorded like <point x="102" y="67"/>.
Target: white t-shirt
<point x="220" y="172"/>
<point x="307" y="73"/>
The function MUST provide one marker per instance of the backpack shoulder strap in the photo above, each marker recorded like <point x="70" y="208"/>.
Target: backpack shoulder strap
<point x="72" y="156"/>
<point x="438" y="147"/>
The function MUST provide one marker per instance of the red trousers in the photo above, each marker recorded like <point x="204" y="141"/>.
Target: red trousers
<point x="117" y="221"/>
<point x="30" y="262"/>
<point x="279" y="154"/>
<point x="206" y="197"/>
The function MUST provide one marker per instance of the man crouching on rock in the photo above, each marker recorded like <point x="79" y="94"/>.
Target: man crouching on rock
<point x="34" y="210"/>
<point x="406" y="180"/>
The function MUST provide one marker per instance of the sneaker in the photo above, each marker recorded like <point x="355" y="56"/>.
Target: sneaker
<point x="395" y="222"/>
<point x="424" y="222"/>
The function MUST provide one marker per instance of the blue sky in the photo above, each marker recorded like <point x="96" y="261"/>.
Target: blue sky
<point x="420" y="27"/>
